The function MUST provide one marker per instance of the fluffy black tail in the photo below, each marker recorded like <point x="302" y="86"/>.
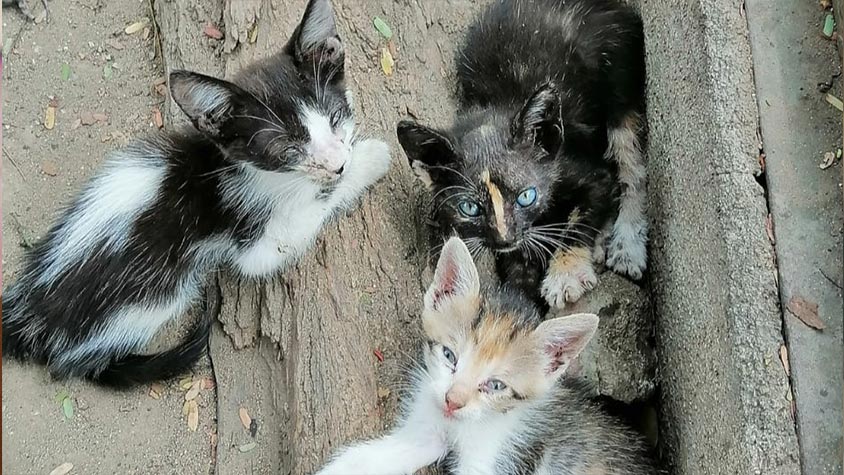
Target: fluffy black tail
<point x="133" y="370"/>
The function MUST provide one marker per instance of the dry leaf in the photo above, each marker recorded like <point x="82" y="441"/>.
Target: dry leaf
<point x="828" y="160"/>
<point x="156" y="390"/>
<point x="387" y="62"/>
<point x="62" y="469"/>
<point x="146" y="33"/>
<point x="87" y="118"/>
<point x="136" y="27"/>
<point x="49" y="168"/>
<point x="114" y="43"/>
<point x="769" y="229"/>
<point x="208" y="383"/>
<point x="193" y="392"/>
<point x="157" y="119"/>
<point x="212" y="31"/>
<point x="161" y="90"/>
<point x="835" y="102"/>
<point x="826" y="4"/>
<point x="50" y="117"/>
<point x="391" y="45"/>
<point x="100" y="117"/>
<point x="244" y="418"/>
<point x="253" y="36"/>
<point x="383" y="393"/>
<point x="247" y="447"/>
<point x="806" y="311"/>
<point x="784" y="360"/>
<point x="378" y="355"/>
<point x="185" y="408"/>
<point x="193" y="415"/>
<point x="185" y="383"/>
<point x="76" y="124"/>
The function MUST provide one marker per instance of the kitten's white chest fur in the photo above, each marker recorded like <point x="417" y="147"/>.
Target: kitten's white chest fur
<point x="289" y="233"/>
<point x="298" y="213"/>
<point x="478" y="445"/>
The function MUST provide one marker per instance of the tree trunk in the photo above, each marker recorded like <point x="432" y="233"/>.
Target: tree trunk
<point x="302" y="353"/>
<point x="299" y="353"/>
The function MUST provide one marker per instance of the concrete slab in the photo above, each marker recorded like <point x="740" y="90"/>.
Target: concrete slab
<point x="724" y="406"/>
<point x="790" y="60"/>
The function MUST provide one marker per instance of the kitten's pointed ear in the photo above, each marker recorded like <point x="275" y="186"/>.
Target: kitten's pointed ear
<point x="456" y="276"/>
<point x="540" y="120"/>
<point x="207" y="101"/>
<point x="425" y="148"/>
<point x="561" y="339"/>
<point x="316" y="39"/>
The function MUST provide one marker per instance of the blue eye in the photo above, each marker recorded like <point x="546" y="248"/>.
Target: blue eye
<point x="449" y="355"/>
<point x="527" y="197"/>
<point x="469" y="208"/>
<point x="495" y="385"/>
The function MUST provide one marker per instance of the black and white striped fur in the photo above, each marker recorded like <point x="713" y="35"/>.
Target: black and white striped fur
<point x="271" y="158"/>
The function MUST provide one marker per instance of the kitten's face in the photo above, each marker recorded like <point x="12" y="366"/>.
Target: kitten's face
<point x="291" y="113"/>
<point x="487" y="353"/>
<point x="495" y="179"/>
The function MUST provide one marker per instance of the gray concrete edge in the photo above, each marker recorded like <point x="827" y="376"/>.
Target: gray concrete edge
<point x="724" y="395"/>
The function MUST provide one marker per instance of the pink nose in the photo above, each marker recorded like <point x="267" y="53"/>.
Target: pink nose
<point x="451" y="405"/>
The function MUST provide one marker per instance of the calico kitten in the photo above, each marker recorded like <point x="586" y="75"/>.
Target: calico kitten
<point x="545" y="148"/>
<point x="488" y="395"/>
<point x="274" y="156"/>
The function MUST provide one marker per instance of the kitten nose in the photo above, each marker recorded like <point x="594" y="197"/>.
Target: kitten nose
<point x="451" y="403"/>
<point x="339" y="171"/>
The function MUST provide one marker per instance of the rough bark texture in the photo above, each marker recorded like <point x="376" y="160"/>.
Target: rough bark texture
<point x="298" y="352"/>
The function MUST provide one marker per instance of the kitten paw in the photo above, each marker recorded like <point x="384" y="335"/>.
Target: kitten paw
<point x="599" y="252"/>
<point x="570" y="275"/>
<point x="627" y="253"/>
<point x="374" y="156"/>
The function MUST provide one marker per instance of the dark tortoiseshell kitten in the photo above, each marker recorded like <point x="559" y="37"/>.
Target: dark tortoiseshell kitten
<point x="545" y="150"/>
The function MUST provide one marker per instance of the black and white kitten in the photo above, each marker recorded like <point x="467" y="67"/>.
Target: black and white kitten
<point x="274" y="156"/>
<point x="545" y="149"/>
<point x="489" y="396"/>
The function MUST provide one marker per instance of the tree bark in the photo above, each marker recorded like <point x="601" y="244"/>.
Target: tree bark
<point x="299" y="352"/>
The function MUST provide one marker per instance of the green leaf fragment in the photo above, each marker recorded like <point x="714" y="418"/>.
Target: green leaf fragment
<point x="828" y="25"/>
<point x="382" y="28"/>
<point x="67" y="408"/>
<point x="61" y="396"/>
<point x="108" y="71"/>
<point x="65" y="72"/>
<point x="247" y="447"/>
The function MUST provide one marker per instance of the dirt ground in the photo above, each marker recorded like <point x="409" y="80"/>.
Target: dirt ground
<point x="109" y="432"/>
<point x="316" y="356"/>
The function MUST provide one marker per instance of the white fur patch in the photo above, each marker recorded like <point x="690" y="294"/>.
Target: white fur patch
<point x="128" y="330"/>
<point x="326" y="149"/>
<point x="128" y="184"/>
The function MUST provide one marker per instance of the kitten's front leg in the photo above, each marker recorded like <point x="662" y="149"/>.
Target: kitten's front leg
<point x="369" y="162"/>
<point x="570" y="275"/>
<point x="401" y="453"/>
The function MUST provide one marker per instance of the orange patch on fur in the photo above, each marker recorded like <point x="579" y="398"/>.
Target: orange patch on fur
<point x="497" y="204"/>
<point x="564" y="261"/>
<point x="495" y="336"/>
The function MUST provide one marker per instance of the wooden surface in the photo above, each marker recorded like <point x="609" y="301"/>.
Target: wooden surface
<point x="298" y="352"/>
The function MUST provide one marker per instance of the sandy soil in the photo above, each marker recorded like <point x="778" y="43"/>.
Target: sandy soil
<point x="109" y="432"/>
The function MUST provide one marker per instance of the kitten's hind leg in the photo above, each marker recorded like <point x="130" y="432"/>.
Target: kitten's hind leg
<point x="627" y="252"/>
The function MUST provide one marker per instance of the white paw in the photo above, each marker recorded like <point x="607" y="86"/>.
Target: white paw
<point x="374" y="156"/>
<point x="568" y="286"/>
<point x="627" y="252"/>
